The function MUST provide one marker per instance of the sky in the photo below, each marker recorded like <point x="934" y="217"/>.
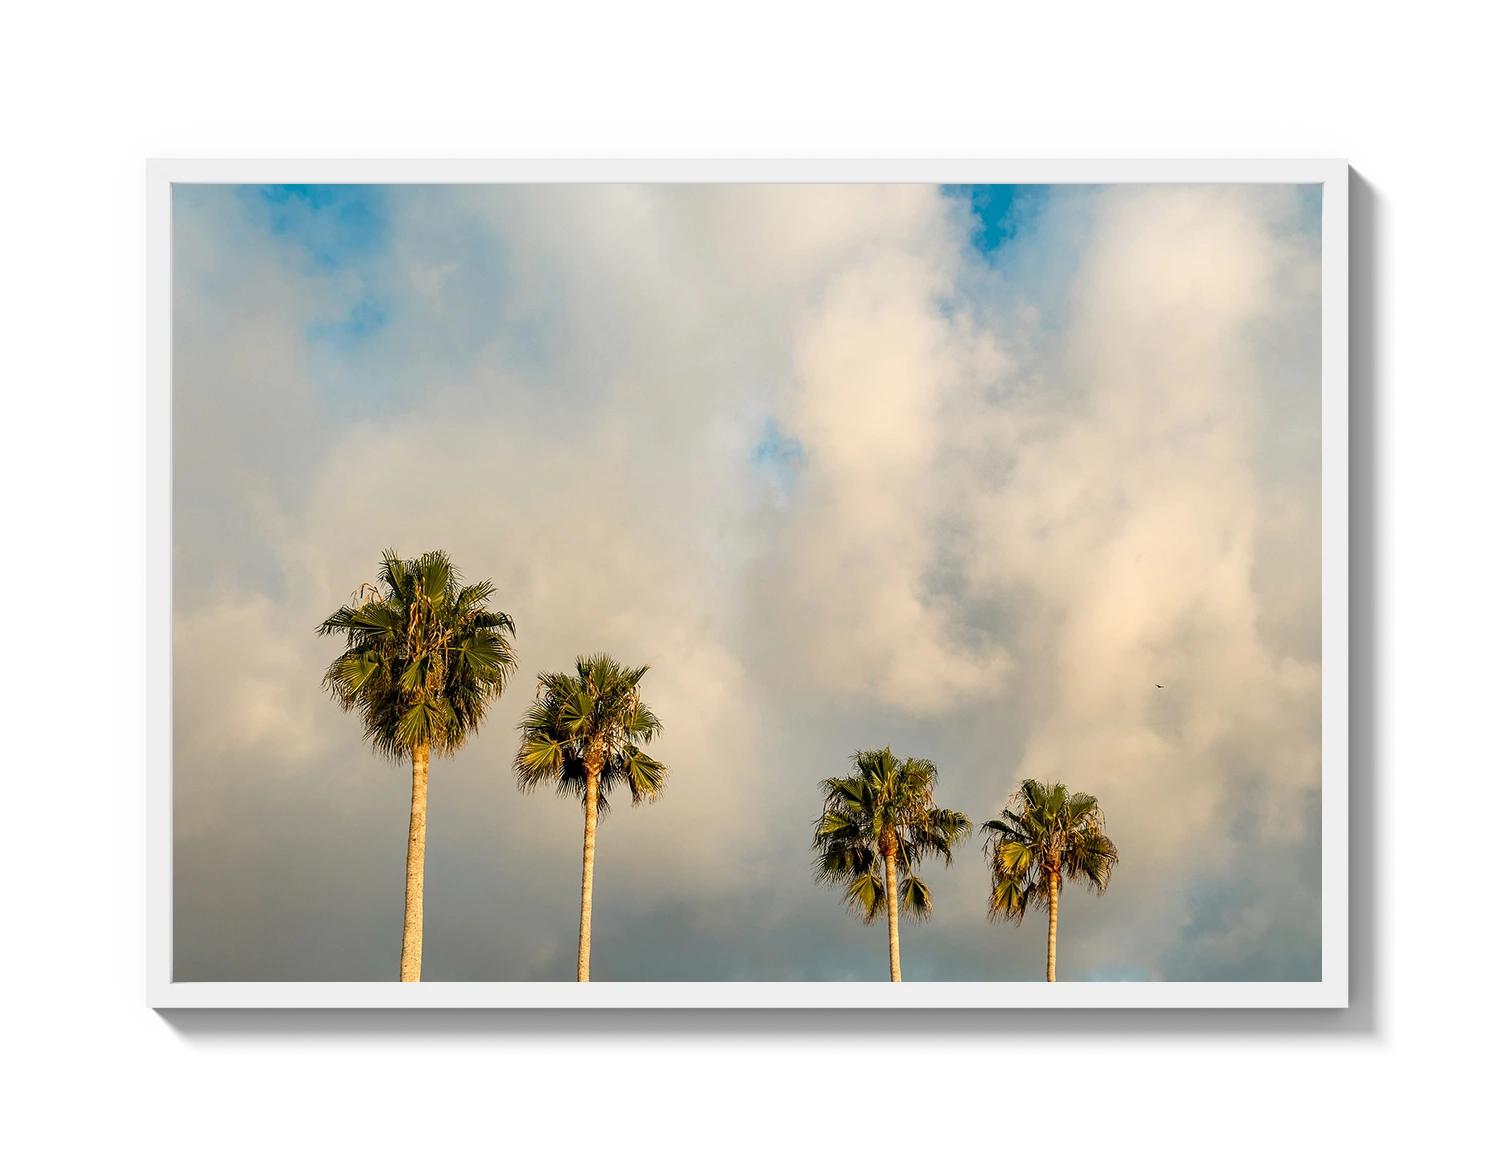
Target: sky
<point x="1022" y="480"/>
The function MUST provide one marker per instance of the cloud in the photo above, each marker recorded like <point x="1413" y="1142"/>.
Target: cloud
<point x="876" y="368"/>
<point x="839" y="477"/>
<point x="265" y="681"/>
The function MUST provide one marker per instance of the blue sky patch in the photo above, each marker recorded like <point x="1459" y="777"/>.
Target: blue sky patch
<point x="340" y="228"/>
<point x="335" y="224"/>
<point x="1000" y="210"/>
<point x="778" y="451"/>
<point x="779" y="458"/>
<point x="364" y="319"/>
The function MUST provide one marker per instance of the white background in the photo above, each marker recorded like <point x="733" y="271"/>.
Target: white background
<point x="1405" y="1074"/>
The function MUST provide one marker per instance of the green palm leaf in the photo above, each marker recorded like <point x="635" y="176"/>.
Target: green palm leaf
<point x="864" y="895"/>
<point x="916" y="898"/>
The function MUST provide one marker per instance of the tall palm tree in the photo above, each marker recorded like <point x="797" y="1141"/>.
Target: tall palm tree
<point x="876" y="828"/>
<point x="1046" y="834"/>
<point x="583" y="734"/>
<point x="423" y="660"/>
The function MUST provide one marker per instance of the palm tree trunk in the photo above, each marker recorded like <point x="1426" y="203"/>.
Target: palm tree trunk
<point x="1052" y="928"/>
<point x="890" y="914"/>
<point x="586" y="912"/>
<point x="416" y="857"/>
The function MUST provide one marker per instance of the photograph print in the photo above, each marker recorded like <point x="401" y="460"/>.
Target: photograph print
<point x="804" y="583"/>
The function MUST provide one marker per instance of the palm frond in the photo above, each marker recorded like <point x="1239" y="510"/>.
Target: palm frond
<point x="645" y="776"/>
<point x="395" y="575"/>
<point x="844" y="860"/>
<point x="914" y="898"/>
<point x="864" y="896"/>
<point x="350" y="673"/>
<point x="373" y="618"/>
<point x="539" y="758"/>
<point x="1009" y="898"/>
<point x="436" y="574"/>
<point x="473" y="597"/>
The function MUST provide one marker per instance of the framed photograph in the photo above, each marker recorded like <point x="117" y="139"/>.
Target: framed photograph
<point x="749" y="584"/>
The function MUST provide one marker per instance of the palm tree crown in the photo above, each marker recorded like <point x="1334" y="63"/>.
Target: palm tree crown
<point x="423" y="657"/>
<point x="1045" y="832"/>
<point x="590" y="720"/>
<point x="884" y="809"/>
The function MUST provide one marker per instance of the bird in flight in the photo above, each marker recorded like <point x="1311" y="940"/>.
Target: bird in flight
<point x="1160" y="687"/>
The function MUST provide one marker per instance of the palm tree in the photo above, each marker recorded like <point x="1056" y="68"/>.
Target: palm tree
<point x="583" y="734"/>
<point x="1044" y="835"/>
<point x="423" y="660"/>
<point x="878" y="825"/>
